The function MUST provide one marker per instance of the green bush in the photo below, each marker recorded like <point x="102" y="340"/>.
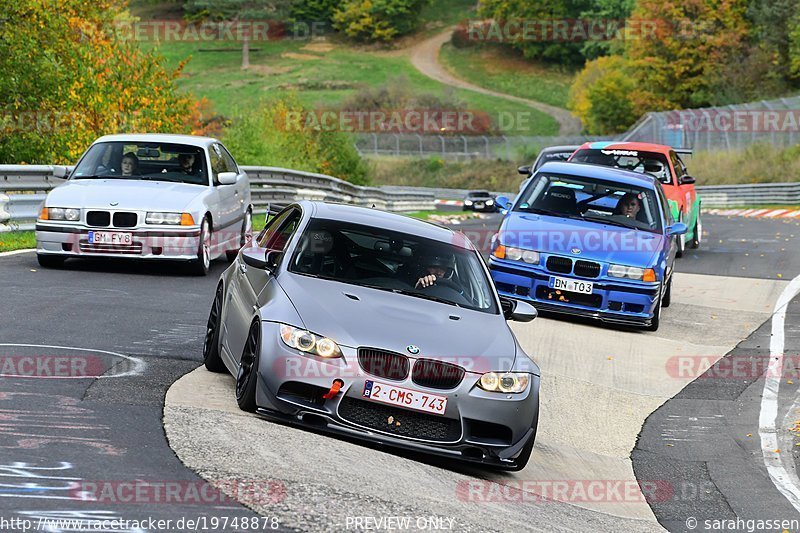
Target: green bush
<point x="269" y="136"/>
<point x="377" y="20"/>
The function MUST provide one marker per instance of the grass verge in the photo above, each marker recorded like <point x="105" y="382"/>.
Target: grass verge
<point x="504" y="70"/>
<point x="17" y="240"/>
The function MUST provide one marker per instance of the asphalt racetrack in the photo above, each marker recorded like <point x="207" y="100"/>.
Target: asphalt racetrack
<point x="638" y="431"/>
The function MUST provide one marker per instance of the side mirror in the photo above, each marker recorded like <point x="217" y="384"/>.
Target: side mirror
<point x="227" y="178"/>
<point x="679" y="228"/>
<point x="260" y="259"/>
<point x="687" y="180"/>
<point x="525" y="171"/>
<point x="59" y="172"/>
<point x="517" y="310"/>
<point x="503" y="202"/>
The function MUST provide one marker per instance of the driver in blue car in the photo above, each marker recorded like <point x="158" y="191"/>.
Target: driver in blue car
<point x="436" y="267"/>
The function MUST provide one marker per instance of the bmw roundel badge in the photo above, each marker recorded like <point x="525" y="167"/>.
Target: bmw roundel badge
<point x="413" y="350"/>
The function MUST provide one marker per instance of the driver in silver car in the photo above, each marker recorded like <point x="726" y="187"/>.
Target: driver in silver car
<point x="436" y="267"/>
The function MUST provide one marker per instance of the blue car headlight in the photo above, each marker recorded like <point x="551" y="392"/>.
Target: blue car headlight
<point x="516" y="254"/>
<point x="508" y="382"/>
<point x="307" y="342"/>
<point x="640" y="274"/>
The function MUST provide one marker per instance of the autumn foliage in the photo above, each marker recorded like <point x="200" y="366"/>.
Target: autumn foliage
<point x="69" y="77"/>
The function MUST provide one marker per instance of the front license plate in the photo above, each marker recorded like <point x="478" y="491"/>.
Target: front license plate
<point x="479" y="205"/>
<point x="571" y="285"/>
<point x="410" y="399"/>
<point x="110" y="237"/>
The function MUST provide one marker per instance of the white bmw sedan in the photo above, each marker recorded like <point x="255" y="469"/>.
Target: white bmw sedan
<point x="150" y="196"/>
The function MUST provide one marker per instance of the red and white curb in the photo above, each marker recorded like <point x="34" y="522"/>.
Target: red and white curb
<point x="449" y="202"/>
<point x="755" y="213"/>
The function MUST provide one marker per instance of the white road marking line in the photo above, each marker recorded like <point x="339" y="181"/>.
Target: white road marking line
<point x="138" y="364"/>
<point x="768" y="416"/>
<point x="17" y="252"/>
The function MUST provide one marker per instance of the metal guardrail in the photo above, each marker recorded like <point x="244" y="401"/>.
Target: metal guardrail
<point x="750" y="195"/>
<point x="23" y="189"/>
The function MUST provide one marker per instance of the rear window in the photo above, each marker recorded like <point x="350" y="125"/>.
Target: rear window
<point x="652" y="163"/>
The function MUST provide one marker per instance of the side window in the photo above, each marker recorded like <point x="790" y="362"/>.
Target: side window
<point x="665" y="206"/>
<point x="217" y="162"/>
<point x="677" y="164"/>
<point x="277" y="234"/>
<point x="227" y="158"/>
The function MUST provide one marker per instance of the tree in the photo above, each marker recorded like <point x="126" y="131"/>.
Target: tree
<point x="241" y="14"/>
<point x="377" y="20"/>
<point x="68" y="78"/>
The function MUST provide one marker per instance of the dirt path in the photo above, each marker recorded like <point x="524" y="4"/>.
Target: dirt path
<point x="425" y="58"/>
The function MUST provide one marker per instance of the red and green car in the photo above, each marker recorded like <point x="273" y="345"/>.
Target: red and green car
<point x="665" y="163"/>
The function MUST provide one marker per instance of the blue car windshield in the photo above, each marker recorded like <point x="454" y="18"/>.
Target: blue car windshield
<point x="395" y="262"/>
<point x="143" y="161"/>
<point x="591" y="200"/>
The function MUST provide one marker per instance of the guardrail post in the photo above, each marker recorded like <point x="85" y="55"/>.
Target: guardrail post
<point x="5" y="216"/>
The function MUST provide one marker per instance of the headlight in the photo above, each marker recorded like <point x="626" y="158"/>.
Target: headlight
<point x="641" y="274"/>
<point x="163" y="218"/>
<point x="305" y="341"/>
<point x="489" y="202"/>
<point x="510" y="382"/>
<point x="516" y="254"/>
<point x="467" y="202"/>
<point x="61" y="213"/>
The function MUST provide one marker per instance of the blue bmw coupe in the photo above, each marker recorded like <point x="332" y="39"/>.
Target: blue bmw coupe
<point x="588" y="240"/>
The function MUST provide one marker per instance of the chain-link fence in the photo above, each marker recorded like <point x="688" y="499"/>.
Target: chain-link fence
<point x="773" y="122"/>
<point x="461" y="147"/>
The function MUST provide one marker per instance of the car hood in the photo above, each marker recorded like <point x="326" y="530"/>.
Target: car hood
<point x="128" y="194"/>
<point x="356" y="316"/>
<point x="596" y="242"/>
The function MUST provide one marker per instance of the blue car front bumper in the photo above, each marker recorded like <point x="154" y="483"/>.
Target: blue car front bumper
<point x="612" y="300"/>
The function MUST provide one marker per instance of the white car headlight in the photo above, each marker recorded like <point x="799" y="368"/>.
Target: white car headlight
<point x="163" y="218"/>
<point x="489" y="202"/>
<point x="467" y="202"/>
<point x="518" y="254"/>
<point x="305" y="341"/>
<point x="63" y="213"/>
<point x="640" y="274"/>
<point x="509" y="382"/>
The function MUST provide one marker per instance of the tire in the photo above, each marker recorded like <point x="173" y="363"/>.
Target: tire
<point x="667" y="298"/>
<point x="681" y="241"/>
<point x="697" y="234"/>
<point x="656" y="320"/>
<point x="247" y="376"/>
<point x="246" y="236"/>
<point x="211" y="357"/>
<point x="50" y="261"/>
<point x="201" y="265"/>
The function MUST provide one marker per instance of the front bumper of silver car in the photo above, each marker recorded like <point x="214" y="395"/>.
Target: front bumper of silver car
<point x="477" y="426"/>
<point x="59" y="239"/>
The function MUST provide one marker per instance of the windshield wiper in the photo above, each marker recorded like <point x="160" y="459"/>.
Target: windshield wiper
<point x="424" y="296"/>
<point x="609" y="221"/>
<point x="547" y="212"/>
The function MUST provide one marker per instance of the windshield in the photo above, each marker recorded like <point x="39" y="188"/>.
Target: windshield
<point x="635" y="160"/>
<point x="592" y="200"/>
<point x="394" y="262"/>
<point x="547" y="157"/>
<point x="144" y="161"/>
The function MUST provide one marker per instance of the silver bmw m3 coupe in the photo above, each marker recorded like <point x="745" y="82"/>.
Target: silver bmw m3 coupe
<point x="377" y="326"/>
